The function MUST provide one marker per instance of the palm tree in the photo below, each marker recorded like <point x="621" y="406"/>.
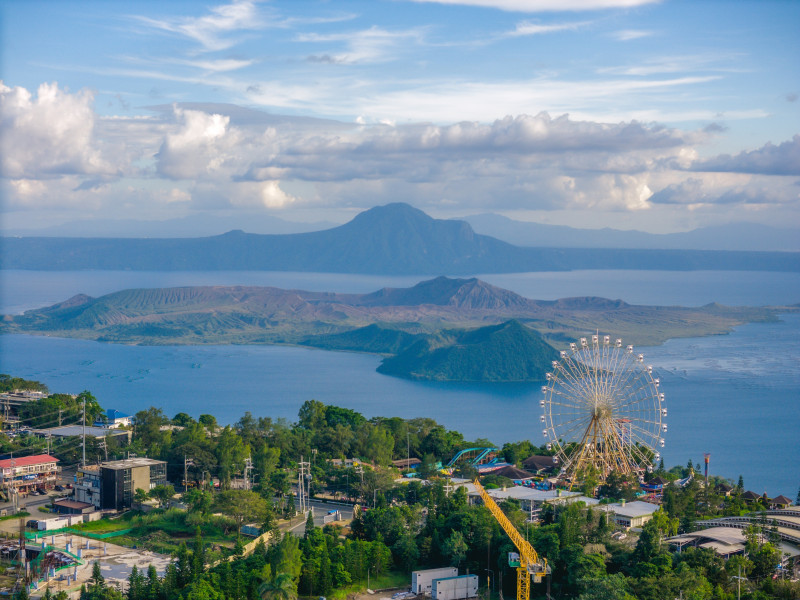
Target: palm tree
<point x="281" y="588"/>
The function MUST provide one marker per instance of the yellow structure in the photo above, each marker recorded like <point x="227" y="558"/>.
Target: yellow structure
<point x="529" y="561"/>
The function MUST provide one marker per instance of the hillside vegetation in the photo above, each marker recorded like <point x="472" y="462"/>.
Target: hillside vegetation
<point x="442" y="328"/>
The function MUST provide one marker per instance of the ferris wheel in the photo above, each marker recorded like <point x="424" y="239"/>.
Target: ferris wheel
<point x="603" y="410"/>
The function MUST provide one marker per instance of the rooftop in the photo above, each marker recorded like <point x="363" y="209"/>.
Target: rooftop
<point x="129" y="463"/>
<point x="27" y="461"/>
<point x="636" y="508"/>
<point x="73" y="504"/>
<point x="75" y="430"/>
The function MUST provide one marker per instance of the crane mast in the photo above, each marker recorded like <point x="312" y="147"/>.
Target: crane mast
<point x="529" y="561"/>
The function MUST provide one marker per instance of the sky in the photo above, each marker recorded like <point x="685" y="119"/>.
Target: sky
<point x="631" y="114"/>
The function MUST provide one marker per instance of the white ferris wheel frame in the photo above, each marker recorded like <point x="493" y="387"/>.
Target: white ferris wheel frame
<point x="602" y="397"/>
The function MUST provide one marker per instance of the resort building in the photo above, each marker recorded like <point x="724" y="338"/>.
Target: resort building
<point x="28" y="473"/>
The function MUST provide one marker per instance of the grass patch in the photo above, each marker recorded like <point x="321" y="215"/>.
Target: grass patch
<point x="163" y="531"/>
<point x="390" y="580"/>
<point x="20" y="514"/>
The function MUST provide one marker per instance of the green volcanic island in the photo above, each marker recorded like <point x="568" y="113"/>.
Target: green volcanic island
<point x="442" y="329"/>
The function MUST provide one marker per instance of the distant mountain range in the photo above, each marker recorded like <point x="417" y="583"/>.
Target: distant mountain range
<point x="193" y="226"/>
<point x="443" y="329"/>
<point x="733" y="236"/>
<point x="395" y="239"/>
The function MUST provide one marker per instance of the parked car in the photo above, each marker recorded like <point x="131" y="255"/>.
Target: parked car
<point x="59" y="488"/>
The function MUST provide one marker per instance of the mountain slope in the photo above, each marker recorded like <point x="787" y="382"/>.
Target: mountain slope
<point x="731" y="236"/>
<point x="393" y="239"/>
<point x="506" y="352"/>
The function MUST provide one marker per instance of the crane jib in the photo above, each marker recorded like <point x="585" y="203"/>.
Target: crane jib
<point x="529" y="562"/>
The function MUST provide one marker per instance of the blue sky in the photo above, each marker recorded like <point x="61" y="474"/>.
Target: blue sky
<point x="660" y="116"/>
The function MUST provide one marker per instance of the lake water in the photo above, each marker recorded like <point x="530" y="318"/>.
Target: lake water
<point x="735" y="396"/>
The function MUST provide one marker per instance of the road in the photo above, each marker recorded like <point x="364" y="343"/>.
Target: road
<point x="320" y="510"/>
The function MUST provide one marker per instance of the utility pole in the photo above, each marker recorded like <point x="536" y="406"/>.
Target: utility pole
<point x="59" y="417"/>
<point x="83" y="459"/>
<point x="248" y="466"/>
<point x="301" y="484"/>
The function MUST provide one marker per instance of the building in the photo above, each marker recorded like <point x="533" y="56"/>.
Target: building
<point x="539" y="465"/>
<point x="628" y="515"/>
<point x="780" y="502"/>
<point x="78" y="430"/>
<point x="112" y="484"/>
<point x="407" y="463"/>
<point x="530" y="499"/>
<point x="114" y="419"/>
<point x="72" y="507"/>
<point x="86" y="488"/>
<point x="28" y="473"/>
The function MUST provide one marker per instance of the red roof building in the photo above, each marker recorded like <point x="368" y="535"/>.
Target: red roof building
<point x="28" y="473"/>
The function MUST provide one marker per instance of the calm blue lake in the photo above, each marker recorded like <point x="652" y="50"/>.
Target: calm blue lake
<point x="736" y="396"/>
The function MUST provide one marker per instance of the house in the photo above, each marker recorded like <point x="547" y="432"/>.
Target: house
<point x="724" y="489"/>
<point x="750" y="497"/>
<point x="114" y="419"/>
<point x="780" y="502"/>
<point x="513" y="473"/>
<point x="28" y="473"/>
<point x="539" y="464"/>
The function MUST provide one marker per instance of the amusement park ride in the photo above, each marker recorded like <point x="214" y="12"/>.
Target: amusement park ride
<point x="603" y="411"/>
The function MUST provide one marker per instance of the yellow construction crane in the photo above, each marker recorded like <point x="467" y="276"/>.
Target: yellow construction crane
<point x="529" y="562"/>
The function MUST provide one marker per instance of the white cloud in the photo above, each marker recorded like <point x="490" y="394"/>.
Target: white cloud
<point x="265" y="194"/>
<point x="211" y="30"/>
<point x="370" y="45"/>
<point x="627" y="35"/>
<point x="49" y="134"/>
<point x="532" y="6"/>
<point x="783" y="159"/>
<point x="528" y="28"/>
<point x="203" y="145"/>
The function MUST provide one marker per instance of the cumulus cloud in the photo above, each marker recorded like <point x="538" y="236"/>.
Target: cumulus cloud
<point x="202" y="145"/>
<point x="50" y="134"/>
<point x="783" y="159"/>
<point x="221" y="157"/>
<point x="721" y="189"/>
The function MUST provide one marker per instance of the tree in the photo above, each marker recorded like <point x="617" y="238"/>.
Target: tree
<point x="243" y="506"/>
<point x="283" y="587"/>
<point x="198" y="501"/>
<point x="163" y="493"/>
<point x="456" y="548"/>
<point x="289" y="557"/>
<point x="140" y="496"/>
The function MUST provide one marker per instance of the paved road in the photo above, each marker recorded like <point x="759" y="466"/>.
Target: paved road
<point x="320" y="510"/>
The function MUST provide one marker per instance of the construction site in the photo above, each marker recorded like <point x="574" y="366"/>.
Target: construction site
<point x="63" y="560"/>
